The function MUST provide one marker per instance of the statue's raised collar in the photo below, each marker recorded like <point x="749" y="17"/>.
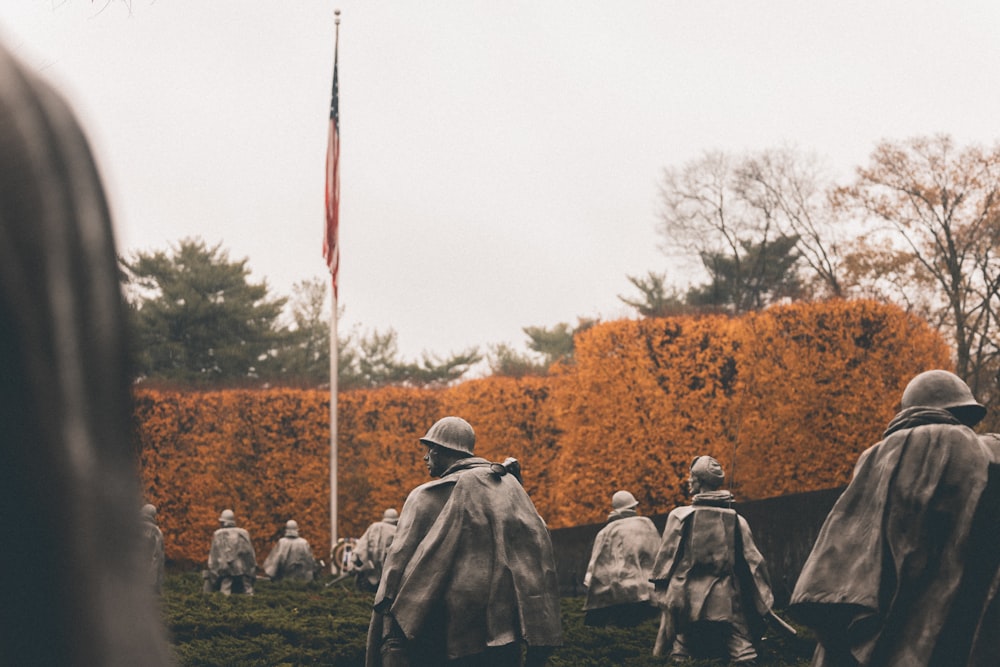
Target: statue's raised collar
<point x="720" y="498"/>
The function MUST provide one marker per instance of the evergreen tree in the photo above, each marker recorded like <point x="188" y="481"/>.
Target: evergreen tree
<point x="762" y="274"/>
<point x="657" y="300"/>
<point x="556" y="343"/>
<point x="550" y="345"/>
<point x="372" y="359"/>
<point x="198" y="319"/>
<point x="504" y="360"/>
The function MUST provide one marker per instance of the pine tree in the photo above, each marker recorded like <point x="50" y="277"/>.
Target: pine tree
<point x="198" y="319"/>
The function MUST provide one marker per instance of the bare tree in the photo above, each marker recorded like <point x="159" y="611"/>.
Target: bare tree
<point x="698" y="210"/>
<point x="757" y="223"/>
<point x="935" y="209"/>
<point x="793" y="189"/>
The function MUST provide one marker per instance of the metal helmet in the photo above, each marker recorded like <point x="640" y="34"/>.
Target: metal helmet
<point x="291" y="528"/>
<point x="452" y="433"/>
<point x="945" y="390"/>
<point x="148" y="512"/>
<point x="623" y="500"/>
<point x="390" y="515"/>
<point x="227" y="518"/>
<point x="708" y="471"/>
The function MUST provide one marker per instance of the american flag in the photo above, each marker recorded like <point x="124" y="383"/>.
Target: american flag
<point x="331" y="245"/>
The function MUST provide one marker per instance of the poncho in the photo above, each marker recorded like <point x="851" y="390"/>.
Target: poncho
<point x="371" y="548"/>
<point x="470" y="567"/>
<point x="232" y="553"/>
<point x="708" y="567"/>
<point x="292" y="559"/>
<point x="621" y="562"/>
<point x="900" y="573"/>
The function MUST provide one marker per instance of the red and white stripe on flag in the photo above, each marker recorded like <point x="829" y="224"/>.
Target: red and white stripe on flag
<point x="331" y="241"/>
<point x="331" y="244"/>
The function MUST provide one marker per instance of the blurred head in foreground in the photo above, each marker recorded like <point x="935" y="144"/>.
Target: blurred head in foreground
<point x="74" y="590"/>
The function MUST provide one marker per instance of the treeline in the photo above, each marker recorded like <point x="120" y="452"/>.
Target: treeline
<point x="916" y="226"/>
<point x="198" y="320"/>
<point x="786" y="398"/>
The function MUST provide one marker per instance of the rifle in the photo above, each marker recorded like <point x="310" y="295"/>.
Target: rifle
<point x="780" y="624"/>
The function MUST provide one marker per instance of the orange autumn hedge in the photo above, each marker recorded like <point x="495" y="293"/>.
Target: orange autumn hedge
<point x="785" y="399"/>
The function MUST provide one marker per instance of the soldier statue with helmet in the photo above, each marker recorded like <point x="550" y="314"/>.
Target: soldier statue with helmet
<point x="470" y="578"/>
<point x="617" y="577"/>
<point x="292" y="558"/>
<point x="371" y="548"/>
<point x="232" y="563"/>
<point x="710" y="579"/>
<point x="905" y="568"/>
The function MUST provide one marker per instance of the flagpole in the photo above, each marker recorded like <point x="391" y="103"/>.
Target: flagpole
<point x="334" y="352"/>
<point x="333" y="425"/>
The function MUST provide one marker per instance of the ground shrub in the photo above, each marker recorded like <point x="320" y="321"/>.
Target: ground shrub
<point x="325" y="623"/>
<point x="282" y="624"/>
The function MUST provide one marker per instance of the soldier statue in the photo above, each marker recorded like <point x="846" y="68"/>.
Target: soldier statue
<point x="617" y="578"/>
<point x="904" y="572"/>
<point x="711" y="581"/>
<point x="291" y="558"/>
<point x="470" y="578"/>
<point x="370" y="550"/>
<point x="232" y="563"/>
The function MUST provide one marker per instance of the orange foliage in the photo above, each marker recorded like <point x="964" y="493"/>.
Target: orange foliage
<point x="786" y="399"/>
<point x="645" y="398"/>
<point x="822" y="383"/>
<point x="263" y="454"/>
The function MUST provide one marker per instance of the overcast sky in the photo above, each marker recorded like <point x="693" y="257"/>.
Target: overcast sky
<point x="499" y="159"/>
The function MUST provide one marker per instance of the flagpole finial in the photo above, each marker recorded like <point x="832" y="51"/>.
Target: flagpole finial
<point x="336" y="14"/>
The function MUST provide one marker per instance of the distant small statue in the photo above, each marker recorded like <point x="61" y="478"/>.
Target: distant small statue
<point x="291" y="558"/>
<point x="470" y="578"/>
<point x="904" y="571"/>
<point x="232" y="563"/>
<point x="370" y="550"/>
<point x="617" y="578"/>
<point x="711" y="582"/>
<point x="152" y="541"/>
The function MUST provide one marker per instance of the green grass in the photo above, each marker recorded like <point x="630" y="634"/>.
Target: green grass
<point x="316" y="624"/>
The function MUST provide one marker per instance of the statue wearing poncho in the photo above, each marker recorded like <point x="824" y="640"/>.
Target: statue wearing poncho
<point x="232" y="562"/>
<point x="901" y="571"/>
<point x="371" y="548"/>
<point x="710" y="578"/>
<point x="470" y="573"/>
<point x="617" y="577"/>
<point x="291" y="558"/>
